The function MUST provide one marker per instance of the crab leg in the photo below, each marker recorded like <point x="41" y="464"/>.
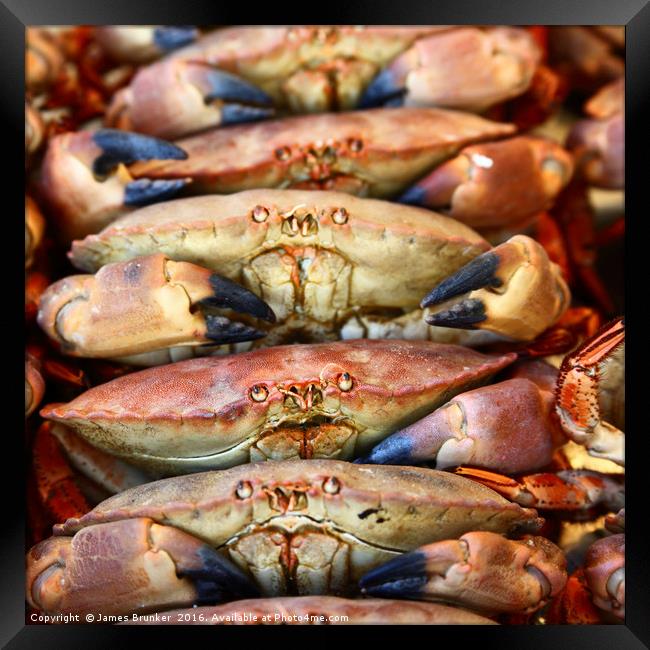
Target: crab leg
<point x="146" y="304"/>
<point x="514" y="290"/>
<point x="55" y="481"/>
<point x="507" y="427"/>
<point x="577" y="394"/>
<point x="465" y="68"/>
<point x="133" y="565"/>
<point x="110" y="473"/>
<point x="573" y="490"/>
<point x="496" y="187"/>
<point x="481" y="570"/>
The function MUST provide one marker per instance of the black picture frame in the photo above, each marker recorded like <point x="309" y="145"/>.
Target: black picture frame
<point x="634" y="14"/>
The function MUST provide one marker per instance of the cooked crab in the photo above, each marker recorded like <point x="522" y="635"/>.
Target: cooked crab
<point x="315" y="69"/>
<point x="328" y="400"/>
<point x="328" y="264"/>
<point x="295" y="526"/>
<point x="90" y="178"/>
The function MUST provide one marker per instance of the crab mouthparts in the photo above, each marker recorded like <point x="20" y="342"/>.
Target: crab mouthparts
<point x="315" y="436"/>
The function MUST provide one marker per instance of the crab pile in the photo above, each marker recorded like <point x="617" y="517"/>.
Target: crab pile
<point x="315" y="326"/>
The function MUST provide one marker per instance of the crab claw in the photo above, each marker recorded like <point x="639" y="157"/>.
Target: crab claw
<point x="599" y="148"/>
<point x="498" y="185"/>
<point x="577" y="394"/>
<point x="86" y="183"/>
<point x="34" y="385"/>
<point x="177" y="97"/>
<point x="132" y="565"/>
<point x="147" y="304"/>
<point x="513" y="290"/>
<point x="481" y="570"/>
<point x="141" y="44"/>
<point x="122" y="147"/>
<point x="507" y="427"/>
<point x="605" y="574"/>
<point x="465" y="68"/>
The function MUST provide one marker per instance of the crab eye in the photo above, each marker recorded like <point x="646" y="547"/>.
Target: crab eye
<point x="260" y="214"/>
<point x="259" y="392"/>
<point x="355" y="145"/>
<point x="340" y="216"/>
<point x="283" y="153"/>
<point x="244" y="490"/>
<point x="344" y="381"/>
<point x="331" y="485"/>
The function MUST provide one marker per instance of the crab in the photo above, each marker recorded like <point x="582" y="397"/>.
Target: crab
<point x="328" y="264"/>
<point x="311" y="528"/>
<point x="328" y="400"/>
<point x="233" y="74"/>
<point x="377" y="153"/>
<point x="316" y="610"/>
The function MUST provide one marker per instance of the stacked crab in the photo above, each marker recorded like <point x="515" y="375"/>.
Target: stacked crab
<point x="276" y="265"/>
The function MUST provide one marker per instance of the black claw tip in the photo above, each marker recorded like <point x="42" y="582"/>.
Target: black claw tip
<point x="239" y="114"/>
<point x="394" y="450"/>
<point x="144" y="191"/>
<point x="217" y="579"/>
<point x="381" y="90"/>
<point x="464" y="315"/>
<point x="221" y="330"/>
<point x="478" y="273"/>
<point x="230" y="88"/>
<point x="415" y="195"/>
<point x="230" y="295"/>
<point x="125" y="147"/>
<point x="403" y="577"/>
<point x="171" y="38"/>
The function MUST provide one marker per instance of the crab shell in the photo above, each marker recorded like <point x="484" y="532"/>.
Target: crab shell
<point x="318" y="610"/>
<point x="329" y="400"/>
<point x="375" y="153"/>
<point x="307" y="527"/>
<point x="312" y="256"/>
